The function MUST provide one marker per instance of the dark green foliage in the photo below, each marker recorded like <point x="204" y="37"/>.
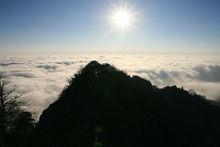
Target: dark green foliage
<point x="18" y="131"/>
<point x="103" y="106"/>
<point x="15" y="124"/>
<point x="24" y="123"/>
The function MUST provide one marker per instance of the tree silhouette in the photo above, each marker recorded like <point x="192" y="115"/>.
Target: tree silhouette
<point x="14" y="121"/>
<point x="24" y="123"/>
<point x="9" y="103"/>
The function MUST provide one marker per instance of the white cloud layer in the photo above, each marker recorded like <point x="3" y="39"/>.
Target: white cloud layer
<point x="43" y="77"/>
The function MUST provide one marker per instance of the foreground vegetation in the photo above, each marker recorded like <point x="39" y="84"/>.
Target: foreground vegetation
<point x="104" y="107"/>
<point x="16" y="124"/>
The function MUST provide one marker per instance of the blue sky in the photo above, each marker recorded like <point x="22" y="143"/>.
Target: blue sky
<point x="81" y="26"/>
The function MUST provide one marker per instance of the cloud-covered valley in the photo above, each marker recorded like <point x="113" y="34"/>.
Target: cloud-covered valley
<point x="42" y="77"/>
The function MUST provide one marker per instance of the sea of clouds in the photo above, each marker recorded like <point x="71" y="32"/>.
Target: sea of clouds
<point x="42" y="77"/>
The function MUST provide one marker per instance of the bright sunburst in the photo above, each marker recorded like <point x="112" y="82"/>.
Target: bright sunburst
<point x="122" y="18"/>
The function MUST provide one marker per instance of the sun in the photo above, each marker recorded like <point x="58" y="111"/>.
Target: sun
<point x="121" y="18"/>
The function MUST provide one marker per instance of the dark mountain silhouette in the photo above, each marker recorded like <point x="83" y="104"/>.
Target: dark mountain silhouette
<point x="216" y="102"/>
<point x="104" y="107"/>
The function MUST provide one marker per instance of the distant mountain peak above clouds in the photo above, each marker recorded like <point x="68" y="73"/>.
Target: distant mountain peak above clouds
<point x="128" y="111"/>
<point x="42" y="77"/>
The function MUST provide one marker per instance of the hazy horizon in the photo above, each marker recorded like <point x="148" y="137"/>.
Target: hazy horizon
<point x="42" y="77"/>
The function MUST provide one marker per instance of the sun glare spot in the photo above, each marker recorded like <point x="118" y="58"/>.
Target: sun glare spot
<point x="122" y="18"/>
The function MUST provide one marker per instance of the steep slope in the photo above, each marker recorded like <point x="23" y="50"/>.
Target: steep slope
<point x="103" y="106"/>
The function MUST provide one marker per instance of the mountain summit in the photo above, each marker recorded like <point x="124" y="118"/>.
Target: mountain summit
<point x="104" y="107"/>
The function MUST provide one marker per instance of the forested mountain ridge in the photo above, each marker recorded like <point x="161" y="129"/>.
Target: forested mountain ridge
<point x="103" y="106"/>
